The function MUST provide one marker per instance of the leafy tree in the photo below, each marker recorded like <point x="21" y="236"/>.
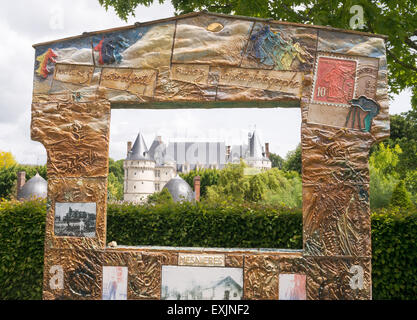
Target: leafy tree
<point x="271" y="187"/>
<point x="6" y="159"/>
<point x="115" y="180"/>
<point x="256" y="190"/>
<point x="161" y="197"/>
<point x="383" y="174"/>
<point x="401" y="197"/>
<point x="404" y="134"/>
<point x="396" y="19"/>
<point x="276" y="160"/>
<point x="8" y="178"/>
<point x="293" y="160"/>
<point x="114" y="188"/>
<point x="116" y="167"/>
<point x="208" y="178"/>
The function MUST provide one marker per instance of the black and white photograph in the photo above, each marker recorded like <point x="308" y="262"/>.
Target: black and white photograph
<point x="201" y="283"/>
<point x="75" y="219"/>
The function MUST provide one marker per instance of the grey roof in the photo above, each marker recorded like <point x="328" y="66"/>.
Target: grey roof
<point x="255" y="146"/>
<point x="179" y="189"/>
<point x="157" y="151"/>
<point x="139" y="150"/>
<point x="35" y="187"/>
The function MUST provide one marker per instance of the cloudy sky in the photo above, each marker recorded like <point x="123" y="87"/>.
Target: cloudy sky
<point x="26" y="22"/>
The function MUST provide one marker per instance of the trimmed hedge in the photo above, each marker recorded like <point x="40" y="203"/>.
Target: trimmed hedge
<point x="394" y="253"/>
<point x="22" y="235"/>
<point x="201" y="225"/>
<point x="22" y="230"/>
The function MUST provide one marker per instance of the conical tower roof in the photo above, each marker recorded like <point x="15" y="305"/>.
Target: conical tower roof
<point x="255" y="146"/>
<point x="139" y="150"/>
<point x="157" y="150"/>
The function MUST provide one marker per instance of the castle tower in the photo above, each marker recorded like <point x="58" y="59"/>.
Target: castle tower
<point x="139" y="181"/>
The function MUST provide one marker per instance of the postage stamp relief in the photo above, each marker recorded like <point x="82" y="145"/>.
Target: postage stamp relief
<point x="334" y="81"/>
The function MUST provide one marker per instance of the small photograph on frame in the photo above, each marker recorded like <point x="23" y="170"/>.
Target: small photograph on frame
<point x="114" y="283"/>
<point x="292" y="287"/>
<point x="75" y="219"/>
<point x="201" y="283"/>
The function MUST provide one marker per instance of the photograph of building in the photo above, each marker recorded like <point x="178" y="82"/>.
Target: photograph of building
<point x="75" y="219"/>
<point x="201" y="283"/>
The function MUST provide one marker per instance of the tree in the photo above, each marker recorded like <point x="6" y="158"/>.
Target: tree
<point x="401" y="197"/>
<point x="6" y="159"/>
<point x="276" y="160"/>
<point x="404" y="134"/>
<point x="383" y="174"/>
<point x="160" y="197"/>
<point x="208" y="178"/>
<point x="115" y="180"/>
<point x="8" y="179"/>
<point x="293" y="160"/>
<point x="394" y="18"/>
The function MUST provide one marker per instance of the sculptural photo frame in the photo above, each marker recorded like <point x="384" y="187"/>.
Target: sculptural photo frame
<point x="338" y="79"/>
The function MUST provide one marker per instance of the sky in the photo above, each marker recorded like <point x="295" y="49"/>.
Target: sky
<point x="27" y="22"/>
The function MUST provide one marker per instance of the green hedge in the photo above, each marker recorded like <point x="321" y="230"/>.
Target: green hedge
<point x="200" y="225"/>
<point x="22" y="234"/>
<point x="394" y="238"/>
<point x="394" y="253"/>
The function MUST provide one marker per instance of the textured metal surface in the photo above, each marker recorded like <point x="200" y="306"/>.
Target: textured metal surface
<point x="261" y="277"/>
<point x="76" y="136"/>
<point x="331" y="278"/>
<point x="337" y="78"/>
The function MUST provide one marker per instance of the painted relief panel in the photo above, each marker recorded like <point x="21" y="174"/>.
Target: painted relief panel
<point x="201" y="283"/>
<point x="197" y="40"/>
<point x="292" y="287"/>
<point x="280" y="47"/>
<point x="75" y="219"/>
<point x="114" y="283"/>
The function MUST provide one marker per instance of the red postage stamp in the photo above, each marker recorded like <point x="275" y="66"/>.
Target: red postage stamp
<point x="335" y="80"/>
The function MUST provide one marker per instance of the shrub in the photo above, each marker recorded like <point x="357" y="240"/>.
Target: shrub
<point x="22" y="235"/>
<point x="394" y="254"/>
<point x="205" y="225"/>
<point x="401" y="197"/>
